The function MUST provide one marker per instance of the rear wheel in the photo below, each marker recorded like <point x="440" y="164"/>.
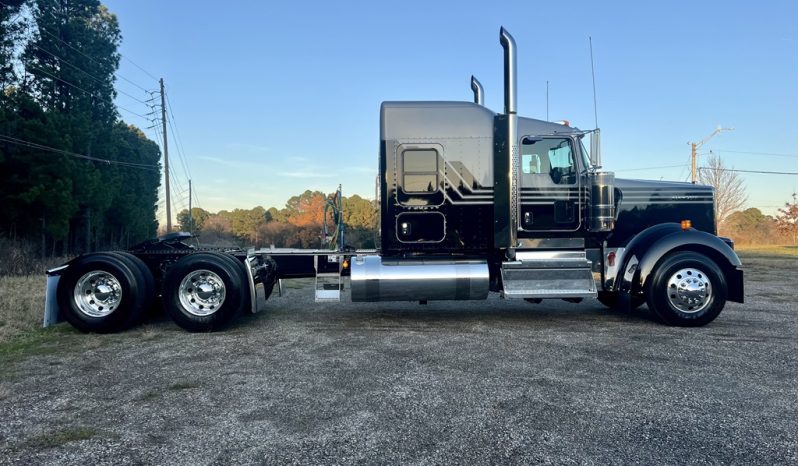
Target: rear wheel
<point x="102" y="293"/>
<point x="146" y="279"/>
<point x="203" y="292"/>
<point x="687" y="289"/>
<point x="243" y="277"/>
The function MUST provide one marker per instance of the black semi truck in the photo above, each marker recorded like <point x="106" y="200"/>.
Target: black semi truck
<point x="471" y="202"/>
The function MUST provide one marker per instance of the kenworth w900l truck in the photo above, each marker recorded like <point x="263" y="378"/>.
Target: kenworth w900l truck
<point x="471" y="202"/>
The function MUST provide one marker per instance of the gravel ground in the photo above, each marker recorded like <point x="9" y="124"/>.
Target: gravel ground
<point x="483" y="382"/>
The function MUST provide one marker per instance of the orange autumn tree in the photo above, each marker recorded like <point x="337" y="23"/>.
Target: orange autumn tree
<point x="306" y="210"/>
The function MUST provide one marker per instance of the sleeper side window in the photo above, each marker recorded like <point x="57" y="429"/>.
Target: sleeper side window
<point x="420" y="170"/>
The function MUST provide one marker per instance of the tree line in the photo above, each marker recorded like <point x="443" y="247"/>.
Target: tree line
<point x="746" y="226"/>
<point x="752" y="227"/>
<point x="73" y="175"/>
<point x="298" y="225"/>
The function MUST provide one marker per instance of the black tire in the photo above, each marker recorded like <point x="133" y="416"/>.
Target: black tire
<point x="89" y="315"/>
<point x="193" y="312"/>
<point x="610" y="299"/>
<point x="147" y="279"/>
<point x="665" y="300"/>
<point x="242" y="276"/>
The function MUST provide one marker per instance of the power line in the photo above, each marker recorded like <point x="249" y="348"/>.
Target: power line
<point x="87" y="56"/>
<point x="180" y="148"/>
<point x="770" y="154"/>
<point x="34" y="145"/>
<point x="87" y="73"/>
<point x="139" y="67"/>
<point x="91" y="94"/>
<point x="650" y="168"/>
<point x="132" y="112"/>
<point x="748" y="171"/>
<point x="92" y="59"/>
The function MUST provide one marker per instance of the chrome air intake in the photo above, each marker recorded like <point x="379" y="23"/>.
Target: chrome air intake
<point x="418" y="280"/>
<point x="479" y="91"/>
<point x="602" y="201"/>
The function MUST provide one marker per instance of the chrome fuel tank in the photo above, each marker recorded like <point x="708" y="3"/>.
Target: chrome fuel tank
<point x="418" y="280"/>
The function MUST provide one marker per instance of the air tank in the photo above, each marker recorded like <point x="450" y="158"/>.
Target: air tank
<point x="602" y="202"/>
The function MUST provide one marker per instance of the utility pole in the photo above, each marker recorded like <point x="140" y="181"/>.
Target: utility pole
<point x="694" y="146"/>
<point x="190" y="215"/>
<point x="166" y="163"/>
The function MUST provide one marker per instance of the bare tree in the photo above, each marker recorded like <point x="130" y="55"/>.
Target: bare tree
<point x="787" y="219"/>
<point x="730" y="193"/>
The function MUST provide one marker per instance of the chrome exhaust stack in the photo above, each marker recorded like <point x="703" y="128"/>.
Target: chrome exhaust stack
<point x="510" y="72"/>
<point x="479" y="92"/>
<point x="510" y="110"/>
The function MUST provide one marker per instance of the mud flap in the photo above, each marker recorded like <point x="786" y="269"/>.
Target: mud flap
<point x="52" y="315"/>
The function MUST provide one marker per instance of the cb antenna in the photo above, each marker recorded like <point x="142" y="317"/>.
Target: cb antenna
<point x="593" y="73"/>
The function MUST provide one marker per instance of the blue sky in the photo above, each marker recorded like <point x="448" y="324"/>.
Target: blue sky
<point x="272" y="98"/>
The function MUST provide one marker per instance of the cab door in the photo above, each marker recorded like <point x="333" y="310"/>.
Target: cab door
<point x="549" y="184"/>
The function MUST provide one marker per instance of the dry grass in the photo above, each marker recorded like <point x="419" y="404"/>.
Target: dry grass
<point x="769" y="250"/>
<point x="21" y="305"/>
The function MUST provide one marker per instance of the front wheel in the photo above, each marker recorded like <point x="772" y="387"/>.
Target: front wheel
<point x="687" y="289"/>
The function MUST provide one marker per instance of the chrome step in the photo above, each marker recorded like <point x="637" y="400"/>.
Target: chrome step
<point x="548" y="274"/>
<point x="328" y="284"/>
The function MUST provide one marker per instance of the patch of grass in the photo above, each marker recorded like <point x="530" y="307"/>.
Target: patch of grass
<point x="50" y="341"/>
<point x="183" y="385"/>
<point x="41" y="341"/>
<point x="61" y="437"/>
<point x="754" y="251"/>
<point x="21" y="305"/>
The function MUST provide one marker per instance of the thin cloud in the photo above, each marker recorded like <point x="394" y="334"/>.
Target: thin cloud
<point x="361" y="169"/>
<point x="249" y="147"/>
<point x="226" y="163"/>
<point x="306" y="174"/>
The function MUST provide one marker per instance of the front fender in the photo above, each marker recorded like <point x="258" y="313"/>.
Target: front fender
<point x="648" y="248"/>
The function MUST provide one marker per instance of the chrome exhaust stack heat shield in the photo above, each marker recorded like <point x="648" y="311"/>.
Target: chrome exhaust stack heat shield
<point x="511" y="111"/>
<point x="418" y="280"/>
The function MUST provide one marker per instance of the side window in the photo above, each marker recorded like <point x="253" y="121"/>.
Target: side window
<point x="420" y="171"/>
<point x="561" y="158"/>
<point x="547" y="161"/>
<point x="530" y="163"/>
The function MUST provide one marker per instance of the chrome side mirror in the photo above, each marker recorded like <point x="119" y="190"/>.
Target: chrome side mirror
<point x="595" y="148"/>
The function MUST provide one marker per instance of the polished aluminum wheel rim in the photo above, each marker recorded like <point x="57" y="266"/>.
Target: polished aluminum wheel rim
<point x="97" y="294"/>
<point x="202" y="292"/>
<point x="689" y="290"/>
